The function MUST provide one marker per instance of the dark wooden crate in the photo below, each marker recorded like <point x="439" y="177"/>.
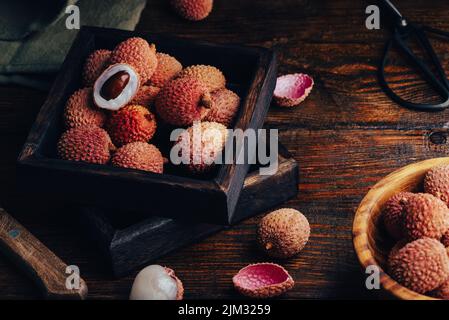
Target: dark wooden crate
<point x="128" y="246"/>
<point x="250" y="71"/>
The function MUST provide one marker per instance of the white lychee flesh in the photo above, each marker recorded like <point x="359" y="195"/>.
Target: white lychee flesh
<point x="154" y="283"/>
<point x="126" y="94"/>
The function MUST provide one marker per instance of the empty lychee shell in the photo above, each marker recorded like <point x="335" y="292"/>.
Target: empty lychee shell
<point x="263" y="280"/>
<point x="116" y="87"/>
<point x="292" y="89"/>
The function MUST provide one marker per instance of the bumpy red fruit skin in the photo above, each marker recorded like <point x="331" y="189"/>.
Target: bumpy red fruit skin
<point x="80" y="110"/>
<point x="89" y="144"/>
<point x="393" y="214"/>
<point x="131" y="124"/>
<point x="436" y="182"/>
<point x="210" y="76"/>
<point x="167" y="68"/>
<point x="283" y="233"/>
<point x="193" y="10"/>
<point x="398" y="246"/>
<point x="146" y="96"/>
<point x="442" y="292"/>
<point x="425" y="216"/>
<point x="421" y="266"/>
<point x="263" y="280"/>
<point x="95" y="64"/>
<point x="200" y="144"/>
<point x="182" y="101"/>
<point x="137" y="53"/>
<point x="225" y="105"/>
<point x="445" y="239"/>
<point x="139" y="155"/>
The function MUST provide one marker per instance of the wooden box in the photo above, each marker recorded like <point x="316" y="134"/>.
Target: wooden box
<point x="251" y="72"/>
<point x="129" y="245"/>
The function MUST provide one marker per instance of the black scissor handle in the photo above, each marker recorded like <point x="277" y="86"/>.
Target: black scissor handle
<point x="441" y="85"/>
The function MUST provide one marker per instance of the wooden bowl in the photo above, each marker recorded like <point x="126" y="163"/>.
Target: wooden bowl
<point x="371" y="241"/>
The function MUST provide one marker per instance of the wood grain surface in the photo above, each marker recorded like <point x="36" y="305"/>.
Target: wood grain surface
<point x="346" y="136"/>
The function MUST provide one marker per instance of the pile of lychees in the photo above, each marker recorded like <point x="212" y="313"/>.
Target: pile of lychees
<point x="420" y="224"/>
<point x="125" y="92"/>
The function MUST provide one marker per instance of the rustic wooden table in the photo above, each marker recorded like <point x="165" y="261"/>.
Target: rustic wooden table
<point x="346" y="136"/>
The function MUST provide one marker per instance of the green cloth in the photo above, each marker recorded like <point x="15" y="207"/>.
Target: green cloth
<point x="40" y="49"/>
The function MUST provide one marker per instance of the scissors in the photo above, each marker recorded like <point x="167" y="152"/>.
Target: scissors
<point x="405" y="30"/>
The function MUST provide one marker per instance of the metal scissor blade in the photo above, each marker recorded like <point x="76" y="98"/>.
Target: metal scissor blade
<point x="395" y="13"/>
<point x="393" y="8"/>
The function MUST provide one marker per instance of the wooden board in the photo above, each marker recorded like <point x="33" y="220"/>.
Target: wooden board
<point x="250" y="71"/>
<point x="346" y="136"/>
<point x="128" y="246"/>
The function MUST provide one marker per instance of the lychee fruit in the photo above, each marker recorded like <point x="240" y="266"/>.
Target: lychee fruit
<point x="263" y="280"/>
<point x="139" y="155"/>
<point x="425" y="216"/>
<point x="442" y="292"/>
<point x="89" y="144"/>
<point x="138" y="53"/>
<point x="182" y="101"/>
<point x="193" y="10"/>
<point x="131" y="124"/>
<point x="146" y="96"/>
<point x="283" y="233"/>
<point x="225" y="105"/>
<point x="80" y="110"/>
<point x="421" y="266"/>
<point x="393" y="214"/>
<point x="116" y="87"/>
<point x="398" y="246"/>
<point x="156" y="283"/>
<point x="201" y="145"/>
<point x="210" y="76"/>
<point x="436" y="182"/>
<point x="292" y="89"/>
<point x="94" y="66"/>
<point x="167" y="68"/>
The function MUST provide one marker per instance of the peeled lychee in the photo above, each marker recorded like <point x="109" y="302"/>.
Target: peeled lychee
<point x="292" y="89"/>
<point x="425" y="216"/>
<point x="80" y="110"/>
<point x="131" y="124"/>
<point x="263" y="280"/>
<point x="194" y="10"/>
<point x="145" y="96"/>
<point x="167" y="68"/>
<point x="89" y="144"/>
<point x="225" y="105"/>
<point x="139" y="155"/>
<point x="210" y="76"/>
<point x="182" y="101"/>
<point x="201" y="145"/>
<point x="283" y="233"/>
<point x="116" y="87"/>
<point x="156" y="283"/>
<point x="436" y="182"/>
<point x="95" y="64"/>
<point x="138" y="53"/>
<point x="393" y="214"/>
<point x="421" y="266"/>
